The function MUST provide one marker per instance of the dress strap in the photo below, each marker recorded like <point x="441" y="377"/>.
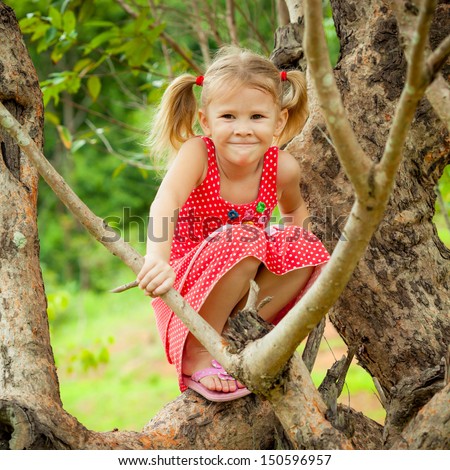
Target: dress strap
<point x="213" y="171"/>
<point x="268" y="190"/>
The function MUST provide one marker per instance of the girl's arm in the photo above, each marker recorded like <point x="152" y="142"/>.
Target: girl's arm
<point x="290" y="202"/>
<point x="187" y="171"/>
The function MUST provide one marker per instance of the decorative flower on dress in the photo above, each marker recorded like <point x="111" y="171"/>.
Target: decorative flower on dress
<point x="260" y="207"/>
<point x="249" y="217"/>
<point x="233" y="214"/>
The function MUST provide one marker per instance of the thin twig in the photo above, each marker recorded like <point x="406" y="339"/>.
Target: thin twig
<point x="252" y="27"/>
<point x="381" y="396"/>
<point x="438" y="57"/>
<point x="121" y="124"/>
<point x="124" y="287"/>
<point x="201" y="34"/>
<point x="312" y="346"/>
<point x="282" y="13"/>
<point x="438" y="92"/>
<point x="231" y="22"/>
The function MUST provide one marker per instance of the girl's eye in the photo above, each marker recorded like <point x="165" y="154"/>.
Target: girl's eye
<point x="257" y="116"/>
<point x="227" y="116"/>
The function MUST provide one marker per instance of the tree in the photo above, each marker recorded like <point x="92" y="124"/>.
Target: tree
<point x="381" y="313"/>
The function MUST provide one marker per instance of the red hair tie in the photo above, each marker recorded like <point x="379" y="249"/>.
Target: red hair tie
<point x="199" y="80"/>
<point x="283" y="75"/>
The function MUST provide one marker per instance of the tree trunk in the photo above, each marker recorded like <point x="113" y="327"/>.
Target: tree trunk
<point x="27" y="369"/>
<point x="394" y="311"/>
<point x="395" y="308"/>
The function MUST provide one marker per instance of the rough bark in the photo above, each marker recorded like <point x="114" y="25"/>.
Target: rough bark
<point x="395" y="308"/>
<point x="26" y="362"/>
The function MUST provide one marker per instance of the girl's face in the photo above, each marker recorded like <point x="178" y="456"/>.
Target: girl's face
<point x="242" y="124"/>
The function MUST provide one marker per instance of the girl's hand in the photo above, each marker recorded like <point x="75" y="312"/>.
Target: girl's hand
<point x="156" y="276"/>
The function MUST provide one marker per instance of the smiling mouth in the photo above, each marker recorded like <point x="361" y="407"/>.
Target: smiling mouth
<point x="243" y="143"/>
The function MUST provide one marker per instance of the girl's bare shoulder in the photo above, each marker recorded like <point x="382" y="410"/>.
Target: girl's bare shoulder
<point x="288" y="170"/>
<point x="187" y="171"/>
<point x="192" y="160"/>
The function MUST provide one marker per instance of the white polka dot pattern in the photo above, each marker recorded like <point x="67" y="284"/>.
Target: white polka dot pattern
<point x="210" y="239"/>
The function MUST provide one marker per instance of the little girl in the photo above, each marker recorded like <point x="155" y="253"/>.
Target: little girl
<point x="210" y="230"/>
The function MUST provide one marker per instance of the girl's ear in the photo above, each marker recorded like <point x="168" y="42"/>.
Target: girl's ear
<point x="281" y="122"/>
<point x="203" y="120"/>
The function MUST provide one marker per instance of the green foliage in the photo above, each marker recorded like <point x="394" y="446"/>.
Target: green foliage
<point x="107" y="351"/>
<point x="442" y="207"/>
<point x="330" y="33"/>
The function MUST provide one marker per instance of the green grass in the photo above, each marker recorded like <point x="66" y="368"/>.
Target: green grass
<point x="111" y="365"/>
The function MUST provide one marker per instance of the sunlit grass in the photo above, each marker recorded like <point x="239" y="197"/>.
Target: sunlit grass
<point x="128" y="384"/>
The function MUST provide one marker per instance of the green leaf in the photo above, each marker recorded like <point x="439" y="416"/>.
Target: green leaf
<point x="119" y="170"/>
<point x="57" y="54"/>
<point x="51" y="34"/>
<point x="65" y="136"/>
<point x="99" y="24"/>
<point x="86" y="11"/>
<point x="100" y="39"/>
<point x="77" y="144"/>
<point x="55" y="17"/>
<point x="94" y="85"/>
<point x="69" y="21"/>
<point x="52" y="117"/>
<point x="83" y="66"/>
<point x="40" y="31"/>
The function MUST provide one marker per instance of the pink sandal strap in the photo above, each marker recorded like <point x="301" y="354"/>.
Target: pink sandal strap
<point x="217" y="369"/>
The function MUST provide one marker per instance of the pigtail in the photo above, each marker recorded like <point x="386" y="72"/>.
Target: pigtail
<point x="174" y="120"/>
<point x="295" y="100"/>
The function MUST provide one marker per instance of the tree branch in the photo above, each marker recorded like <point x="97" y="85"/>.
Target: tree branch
<point x="438" y="57"/>
<point x="301" y="410"/>
<point x="296" y="9"/>
<point x="355" y="162"/>
<point x="417" y="80"/>
<point x="201" y="329"/>
<point x="282" y="13"/>
<point x="438" y="94"/>
<point x="433" y="421"/>
<point x="231" y="22"/>
<point x="252" y="27"/>
<point x="293" y="396"/>
<point x="312" y="345"/>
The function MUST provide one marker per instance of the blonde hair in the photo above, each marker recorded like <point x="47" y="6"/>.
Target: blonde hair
<point x="232" y="68"/>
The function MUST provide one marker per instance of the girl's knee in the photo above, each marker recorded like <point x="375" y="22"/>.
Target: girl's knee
<point x="249" y="266"/>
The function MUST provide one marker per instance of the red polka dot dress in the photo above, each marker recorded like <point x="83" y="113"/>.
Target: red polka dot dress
<point x="212" y="235"/>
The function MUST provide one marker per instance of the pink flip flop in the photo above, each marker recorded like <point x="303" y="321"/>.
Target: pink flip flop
<point x="193" y="382"/>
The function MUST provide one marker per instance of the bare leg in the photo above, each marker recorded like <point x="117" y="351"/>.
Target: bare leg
<point x="222" y="300"/>
<point x="283" y="289"/>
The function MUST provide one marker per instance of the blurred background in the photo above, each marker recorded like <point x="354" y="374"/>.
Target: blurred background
<point x="103" y="65"/>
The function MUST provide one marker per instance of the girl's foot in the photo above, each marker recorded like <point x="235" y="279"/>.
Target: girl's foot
<point x="196" y="358"/>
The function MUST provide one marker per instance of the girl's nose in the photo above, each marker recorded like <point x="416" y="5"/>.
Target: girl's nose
<point x="242" y="129"/>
